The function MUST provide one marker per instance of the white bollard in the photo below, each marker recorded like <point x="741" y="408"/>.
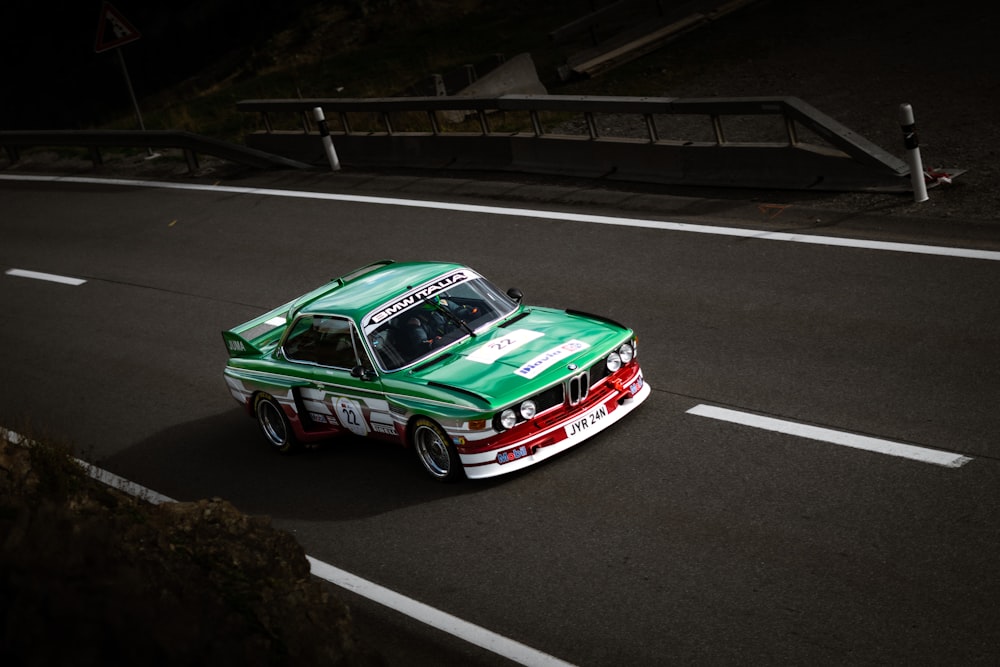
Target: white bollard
<point x="913" y="152"/>
<point x="324" y="132"/>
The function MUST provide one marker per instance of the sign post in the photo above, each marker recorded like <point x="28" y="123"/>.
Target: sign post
<point x="114" y="31"/>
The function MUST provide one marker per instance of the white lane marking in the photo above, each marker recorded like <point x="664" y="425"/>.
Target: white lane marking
<point x="21" y="273"/>
<point x="945" y="251"/>
<point x="934" y="456"/>
<point x="491" y="641"/>
<point x="122" y="484"/>
<point x="515" y="651"/>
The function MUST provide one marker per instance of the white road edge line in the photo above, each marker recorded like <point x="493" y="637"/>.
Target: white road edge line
<point x="21" y="273"/>
<point x="491" y="641"/>
<point x="922" y="454"/>
<point x="945" y="251"/>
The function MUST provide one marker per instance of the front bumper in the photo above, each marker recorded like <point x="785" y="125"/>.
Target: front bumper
<point x="570" y="429"/>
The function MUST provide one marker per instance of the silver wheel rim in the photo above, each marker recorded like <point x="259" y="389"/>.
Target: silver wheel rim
<point x="433" y="451"/>
<point x="272" y="422"/>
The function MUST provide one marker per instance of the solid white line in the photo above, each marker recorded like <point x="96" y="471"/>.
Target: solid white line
<point x="966" y="253"/>
<point x="934" y="456"/>
<point x="21" y="273"/>
<point x="127" y="486"/>
<point x="491" y="641"/>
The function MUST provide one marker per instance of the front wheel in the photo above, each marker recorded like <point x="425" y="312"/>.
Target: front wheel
<point x="274" y="424"/>
<point x="436" y="451"/>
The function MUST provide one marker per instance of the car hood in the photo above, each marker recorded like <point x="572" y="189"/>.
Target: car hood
<point x="505" y="363"/>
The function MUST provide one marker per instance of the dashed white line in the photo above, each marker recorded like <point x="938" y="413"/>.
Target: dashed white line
<point x="65" y="280"/>
<point x="474" y="634"/>
<point x="946" y="251"/>
<point x="843" y="438"/>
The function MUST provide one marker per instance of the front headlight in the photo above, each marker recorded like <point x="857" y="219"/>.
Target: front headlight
<point x="626" y="352"/>
<point x="614" y="362"/>
<point x="528" y="409"/>
<point x="508" y="418"/>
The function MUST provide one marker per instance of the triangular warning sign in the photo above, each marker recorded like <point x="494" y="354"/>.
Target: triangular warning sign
<point x="113" y="29"/>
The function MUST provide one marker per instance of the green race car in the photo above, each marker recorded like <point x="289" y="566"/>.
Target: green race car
<point x="435" y="357"/>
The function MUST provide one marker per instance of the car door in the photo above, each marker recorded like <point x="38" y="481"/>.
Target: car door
<point x="343" y="391"/>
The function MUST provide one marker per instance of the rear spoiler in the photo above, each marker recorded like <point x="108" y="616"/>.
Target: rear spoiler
<point x="249" y="339"/>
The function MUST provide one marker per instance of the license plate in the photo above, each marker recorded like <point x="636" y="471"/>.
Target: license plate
<point x="587" y="421"/>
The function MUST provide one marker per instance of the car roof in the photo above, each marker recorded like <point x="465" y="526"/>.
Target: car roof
<point x="358" y="293"/>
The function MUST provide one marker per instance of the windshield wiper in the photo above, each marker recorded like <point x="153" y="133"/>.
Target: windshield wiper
<point x="436" y="305"/>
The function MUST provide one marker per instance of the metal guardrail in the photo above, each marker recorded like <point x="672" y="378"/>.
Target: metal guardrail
<point x="191" y="144"/>
<point x="809" y="149"/>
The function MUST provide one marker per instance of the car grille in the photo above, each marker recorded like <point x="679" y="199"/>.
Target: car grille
<point x="550" y="398"/>
<point x="577" y="387"/>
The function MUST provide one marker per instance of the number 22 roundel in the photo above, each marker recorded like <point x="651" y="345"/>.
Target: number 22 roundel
<point x="351" y="417"/>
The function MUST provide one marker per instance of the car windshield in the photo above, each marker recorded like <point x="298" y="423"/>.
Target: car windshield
<point x="426" y="320"/>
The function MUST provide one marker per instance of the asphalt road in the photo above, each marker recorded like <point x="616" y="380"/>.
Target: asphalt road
<point x="672" y="538"/>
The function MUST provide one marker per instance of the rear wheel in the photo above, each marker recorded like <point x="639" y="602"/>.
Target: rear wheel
<point x="274" y="424"/>
<point x="436" y="451"/>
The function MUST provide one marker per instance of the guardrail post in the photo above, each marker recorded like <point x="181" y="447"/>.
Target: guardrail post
<point x="912" y="144"/>
<point x="192" y="160"/>
<point x="651" y="128"/>
<point x="435" y="126"/>
<point x="591" y="125"/>
<point x="720" y="136"/>
<point x="793" y="135"/>
<point x="95" y="156"/>
<point x="536" y="124"/>
<point x="484" y="124"/>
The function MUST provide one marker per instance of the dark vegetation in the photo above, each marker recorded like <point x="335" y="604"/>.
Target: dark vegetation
<point x="855" y="61"/>
<point x="196" y="59"/>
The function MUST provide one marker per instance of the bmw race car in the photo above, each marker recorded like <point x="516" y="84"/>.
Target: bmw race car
<point x="435" y="357"/>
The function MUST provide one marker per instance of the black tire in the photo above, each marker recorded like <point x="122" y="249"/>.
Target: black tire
<point x="274" y="424"/>
<point x="436" y="451"/>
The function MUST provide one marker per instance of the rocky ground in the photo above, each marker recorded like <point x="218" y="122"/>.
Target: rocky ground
<point x="90" y="576"/>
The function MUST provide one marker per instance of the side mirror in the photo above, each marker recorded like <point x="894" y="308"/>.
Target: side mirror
<point x="515" y="294"/>
<point x="362" y="374"/>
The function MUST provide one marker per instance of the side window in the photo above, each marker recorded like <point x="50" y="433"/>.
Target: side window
<point x="327" y="341"/>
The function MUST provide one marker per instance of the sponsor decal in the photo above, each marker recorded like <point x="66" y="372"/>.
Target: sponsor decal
<point x="587" y="421"/>
<point x="413" y="298"/>
<point x="635" y="386"/>
<point x="512" y="454"/>
<point x="388" y="429"/>
<point x="498" y="347"/>
<point x="351" y="416"/>
<point x="549" y="357"/>
<point x="236" y="345"/>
